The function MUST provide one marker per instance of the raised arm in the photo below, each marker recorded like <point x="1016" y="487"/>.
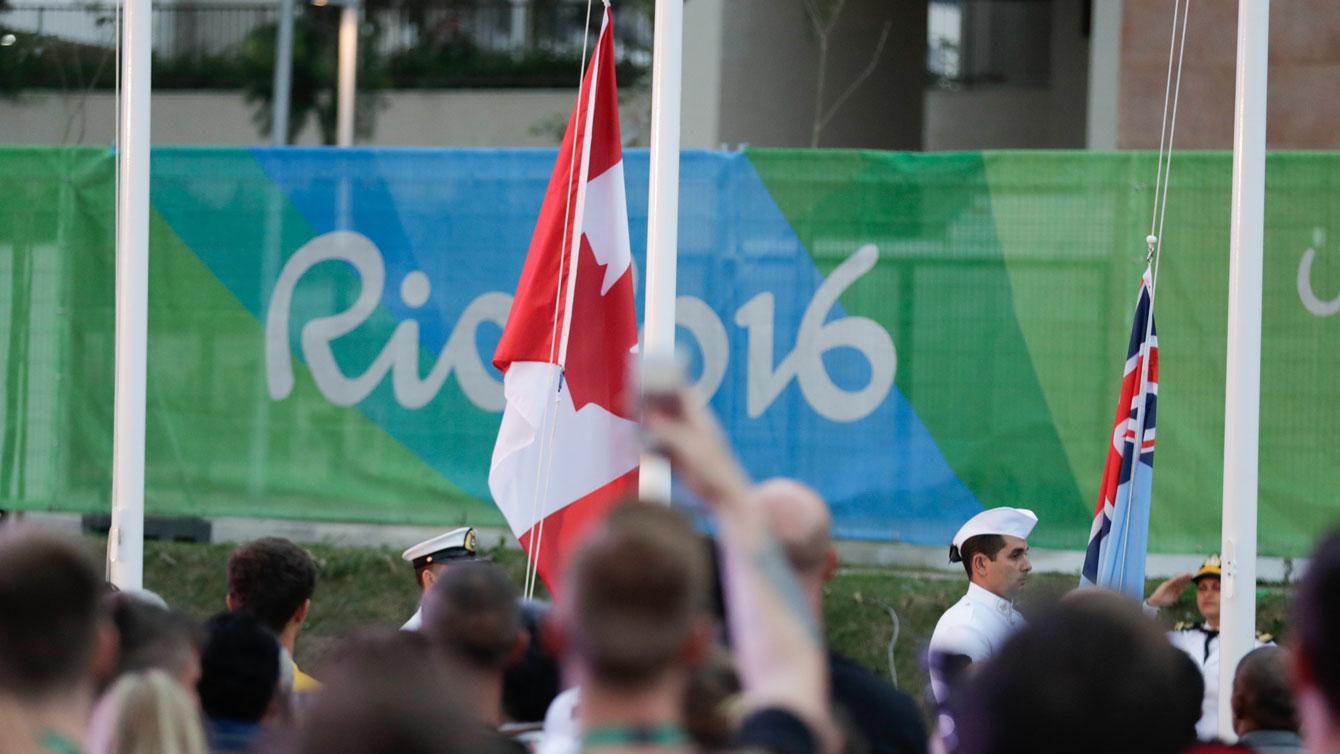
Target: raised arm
<point x="779" y="652"/>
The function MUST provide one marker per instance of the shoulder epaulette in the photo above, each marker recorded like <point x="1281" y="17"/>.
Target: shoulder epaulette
<point x="1264" y="637"/>
<point x="1182" y="625"/>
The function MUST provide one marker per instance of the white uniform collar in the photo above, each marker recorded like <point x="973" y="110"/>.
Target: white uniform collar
<point x="415" y="621"/>
<point x="984" y="596"/>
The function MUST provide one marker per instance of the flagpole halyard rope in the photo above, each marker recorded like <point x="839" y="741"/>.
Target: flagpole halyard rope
<point x="579" y="214"/>
<point x="537" y="533"/>
<point x="567" y="206"/>
<point x="1167" y="176"/>
<point x="1163" y="132"/>
<point x="533" y="556"/>
<point x="546" y="460"/>
<point x="1155" y="246"/>
<point x="573" y="260"/>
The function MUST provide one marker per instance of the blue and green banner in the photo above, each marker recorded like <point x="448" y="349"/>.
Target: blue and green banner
<point x="917" y="336"/>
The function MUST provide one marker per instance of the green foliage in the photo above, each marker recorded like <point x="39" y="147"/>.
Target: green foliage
<point x="204" y="72"/>
<point x="40" y="62"/>
<point x="37" y="62"/>
<point x="857" y="620"/>
<point x="355" y="587"/>
<point x="443" y="55"/>
<point x="313" y="83"/>
<point x="463" y="65"/>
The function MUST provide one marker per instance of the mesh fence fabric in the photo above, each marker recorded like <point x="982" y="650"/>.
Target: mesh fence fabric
<point x="917" y="336"/>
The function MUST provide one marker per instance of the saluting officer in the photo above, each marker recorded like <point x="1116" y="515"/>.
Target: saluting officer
<point x="994" y="553"/>
<point x="433" y="556"/>
<point x="1200" y="641"/>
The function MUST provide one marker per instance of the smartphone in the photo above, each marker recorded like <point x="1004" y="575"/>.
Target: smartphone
<point x="663" y="384"/>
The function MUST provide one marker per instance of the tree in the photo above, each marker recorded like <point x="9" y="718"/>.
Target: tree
<point x="823" y="16"/>
<point x="313" y="90"/>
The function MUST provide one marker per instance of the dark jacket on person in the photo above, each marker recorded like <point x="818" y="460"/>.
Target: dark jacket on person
<point x="885" y="717"/>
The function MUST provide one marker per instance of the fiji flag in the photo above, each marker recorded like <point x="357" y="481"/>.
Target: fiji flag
<point x="1119" y="538"/>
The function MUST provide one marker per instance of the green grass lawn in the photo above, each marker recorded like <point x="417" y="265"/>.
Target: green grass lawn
<point x="356" y="587"/>
<point x="360" y="586"/>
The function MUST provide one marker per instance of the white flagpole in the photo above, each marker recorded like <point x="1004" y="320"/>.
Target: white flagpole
<point x="283" y="85"/>
<point x="1242" y="395"/>
<point x="662" y="216"/>
<point x="125" y="541"/>
<point x="346" y="74"/>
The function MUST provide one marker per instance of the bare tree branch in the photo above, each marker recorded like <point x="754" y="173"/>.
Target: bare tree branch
<point x="815" y="126"/>
<point x="860" y="79"/>
<point x="823" y="15"/>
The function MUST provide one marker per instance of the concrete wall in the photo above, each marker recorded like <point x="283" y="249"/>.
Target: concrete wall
<point x="1104" y="75"/>
<point x="475" y="118"/>
<point x="411" y="118"/>
<point x="700" y="95"/>
<point x="1017" y="117"/>
<point x="1070" y="75"/>
<point x="993" y="118"/>
<point x="1304" y="75"/>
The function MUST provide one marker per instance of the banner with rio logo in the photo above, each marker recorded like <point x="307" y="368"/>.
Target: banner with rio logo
<point x="916" y="336"/>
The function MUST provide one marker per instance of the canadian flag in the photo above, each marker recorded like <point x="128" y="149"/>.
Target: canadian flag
<point x="567" y="450"/>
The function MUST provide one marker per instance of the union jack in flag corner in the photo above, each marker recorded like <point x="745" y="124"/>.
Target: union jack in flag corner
<point x="1119" y="538"/>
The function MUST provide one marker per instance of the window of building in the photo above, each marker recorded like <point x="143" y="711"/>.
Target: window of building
<point x="981" y="43"/>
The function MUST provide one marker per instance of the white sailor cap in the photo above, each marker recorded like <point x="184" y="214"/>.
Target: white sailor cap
<point x="1014" y="522"/>
<point x="454" y="545"/>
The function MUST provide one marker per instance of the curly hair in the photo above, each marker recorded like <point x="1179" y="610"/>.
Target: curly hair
<point x="270" y="578"/>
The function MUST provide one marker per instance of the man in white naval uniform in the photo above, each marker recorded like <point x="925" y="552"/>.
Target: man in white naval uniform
<point x="1200" y="641"/>
<point x="431" y="558"/>
<point x="994" y="553"/>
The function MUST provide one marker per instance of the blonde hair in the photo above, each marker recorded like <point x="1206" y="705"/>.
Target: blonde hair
<point x="147" y="713"/>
